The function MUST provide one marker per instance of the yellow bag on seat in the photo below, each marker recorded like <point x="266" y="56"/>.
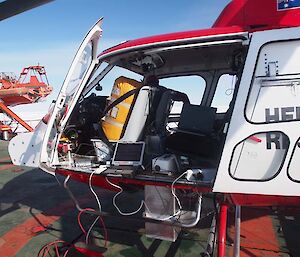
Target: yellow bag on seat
<point x="115" y="119"/>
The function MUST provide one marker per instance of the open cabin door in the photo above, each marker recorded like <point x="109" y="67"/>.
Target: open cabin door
<point x="262" y="148"/>
<point x="75" y="81"/>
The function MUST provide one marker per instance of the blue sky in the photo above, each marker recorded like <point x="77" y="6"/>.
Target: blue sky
<point x="50" y="34"/>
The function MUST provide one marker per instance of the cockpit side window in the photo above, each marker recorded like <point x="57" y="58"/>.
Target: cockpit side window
<point x="224" y="93"/>
<point x="105" y="85"/>
<point x="193" y="86"/>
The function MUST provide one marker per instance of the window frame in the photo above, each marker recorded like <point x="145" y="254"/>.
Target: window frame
<point x="252" y="82"/>
<point x="233" y="90"/>
<point x="280" y="166"/>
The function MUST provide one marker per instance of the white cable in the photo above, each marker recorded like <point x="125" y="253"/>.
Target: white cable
<point x="120" y="192"/>
<point x="77" y="204"/>
<point x="173" y="190"/>
<point x="90" y="229"/>
<point x="92" y="190"/>
<point x="177" y="199"/>
<point x="99" y="205"/>
<point x="143" y="202"/>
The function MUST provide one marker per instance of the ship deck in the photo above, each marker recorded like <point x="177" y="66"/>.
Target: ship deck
<point x="35" y="210"/>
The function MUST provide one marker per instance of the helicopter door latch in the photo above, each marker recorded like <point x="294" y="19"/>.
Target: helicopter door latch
<point x="272" y="69"/>
<point x="61" y="102"/>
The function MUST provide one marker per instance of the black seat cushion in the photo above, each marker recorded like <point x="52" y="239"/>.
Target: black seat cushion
<point x="197" y="119"/>
<point x="184" y="143"/>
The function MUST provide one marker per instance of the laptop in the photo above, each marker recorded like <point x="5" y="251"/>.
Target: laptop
<point x="128" y="154"/>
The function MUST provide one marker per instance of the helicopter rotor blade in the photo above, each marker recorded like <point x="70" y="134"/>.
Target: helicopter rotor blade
<point x="10" y="8"/>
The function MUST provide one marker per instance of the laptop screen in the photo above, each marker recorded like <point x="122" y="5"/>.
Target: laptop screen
<point x="128" y="153"/>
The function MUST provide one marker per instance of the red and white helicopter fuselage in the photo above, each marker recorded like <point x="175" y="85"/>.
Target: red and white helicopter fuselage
<point x="115" y="121"/>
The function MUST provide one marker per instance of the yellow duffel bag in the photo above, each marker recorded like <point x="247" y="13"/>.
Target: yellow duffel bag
<point x="116" y="117"/>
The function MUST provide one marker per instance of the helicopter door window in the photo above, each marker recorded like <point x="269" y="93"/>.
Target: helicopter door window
<point x="75" y="80"/>
<point x="105" y="85"/>
<point x="264" y="152"/>
<point x="79" y="71"/>
<point x="275" y="90"/>
<point x="193" y="86"/>
<point x="224" y="92"/>
<point x="274" y="100"/>
<point x="293" y="167"/>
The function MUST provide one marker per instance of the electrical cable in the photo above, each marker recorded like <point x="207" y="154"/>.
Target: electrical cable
<point x="81" y="210"/>
<point x="57" y="180"/>
<point x="80" y="145"/>
<point x="45" y="250"/>
<point x="197" y="219"/>
<point x="177" y="200"/>
<point x="93" y="191"/>
<point x="84" y="231"/>
<point x="173" y="190"/>
<point x="99" y="205"/>
<point x="120" y="192"/>
<point x="89" y="231"/>
<point x="71" y="194"/>
<point x="143" y="202"/>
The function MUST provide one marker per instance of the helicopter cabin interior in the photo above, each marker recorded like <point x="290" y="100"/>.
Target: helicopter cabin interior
<point x="155" y="113"/>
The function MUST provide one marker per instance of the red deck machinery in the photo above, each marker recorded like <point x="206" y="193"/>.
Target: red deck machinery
<point x="31" y="86"/>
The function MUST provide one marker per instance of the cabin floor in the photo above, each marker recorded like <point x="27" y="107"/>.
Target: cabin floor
<point x="35" y="211"/>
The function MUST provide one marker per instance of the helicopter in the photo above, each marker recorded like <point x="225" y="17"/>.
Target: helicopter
<point x="145" y="114"/>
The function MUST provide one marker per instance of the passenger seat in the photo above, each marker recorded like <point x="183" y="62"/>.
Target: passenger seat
<point x="195" y="134"/>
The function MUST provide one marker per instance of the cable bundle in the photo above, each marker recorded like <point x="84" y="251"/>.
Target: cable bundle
<point x="87" y="233"/>
<point x="45" y="251"/>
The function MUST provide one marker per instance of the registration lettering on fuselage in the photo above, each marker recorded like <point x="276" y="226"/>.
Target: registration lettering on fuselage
<point x="275" y="139"/>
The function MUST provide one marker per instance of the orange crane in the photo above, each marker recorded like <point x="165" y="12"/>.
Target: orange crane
<point x="31" y="86"/>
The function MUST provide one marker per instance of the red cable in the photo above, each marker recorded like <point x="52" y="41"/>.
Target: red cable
<point x="46" y="249"/>
<point x="66" y="253"/>
<point x="56" y="250"/>
<point x="79" y="220"/>
<point x="102" y="223"/>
